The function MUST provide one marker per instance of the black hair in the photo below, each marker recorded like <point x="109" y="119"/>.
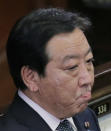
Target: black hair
<point x="28" y="39"/>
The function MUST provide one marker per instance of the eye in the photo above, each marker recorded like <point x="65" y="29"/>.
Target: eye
<point x="72" y="67"/>
<point x="91" y="60"/>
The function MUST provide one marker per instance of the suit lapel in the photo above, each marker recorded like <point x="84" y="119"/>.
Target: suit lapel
<point x="86" y="116"/>
<point x="25" y="115"/>
<point x="77" y="123"/>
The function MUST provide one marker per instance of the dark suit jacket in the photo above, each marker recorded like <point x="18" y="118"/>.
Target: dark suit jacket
<point x="21" y="117"/>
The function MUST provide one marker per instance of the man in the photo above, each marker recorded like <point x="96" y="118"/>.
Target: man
<point x="50" y="61"/>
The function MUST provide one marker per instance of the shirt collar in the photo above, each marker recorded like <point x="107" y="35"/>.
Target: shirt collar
<point x="51" y="120"/>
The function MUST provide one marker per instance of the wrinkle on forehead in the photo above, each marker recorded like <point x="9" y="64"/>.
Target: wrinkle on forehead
<point x="65" y="42"/>
<point x="67" y="57"/>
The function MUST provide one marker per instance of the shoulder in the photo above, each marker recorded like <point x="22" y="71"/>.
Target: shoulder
<point x="9" y="123"/>
<point x="88" y="112"/>
<point x="88" y="115"/>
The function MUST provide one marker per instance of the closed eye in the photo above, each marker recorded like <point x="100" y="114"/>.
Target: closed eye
<point x="91" y="60"/>
<point x="72" y="68"/>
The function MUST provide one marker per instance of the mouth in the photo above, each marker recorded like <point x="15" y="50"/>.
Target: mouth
<point x="86" y="96"/>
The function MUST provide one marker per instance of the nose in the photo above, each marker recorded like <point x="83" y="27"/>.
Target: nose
<point x="84" y="76"/>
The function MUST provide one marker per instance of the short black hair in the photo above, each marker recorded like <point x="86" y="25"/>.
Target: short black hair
<point x="28" y="39"/>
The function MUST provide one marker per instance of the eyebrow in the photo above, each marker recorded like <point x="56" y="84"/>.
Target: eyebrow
<point x="76" y="56"/>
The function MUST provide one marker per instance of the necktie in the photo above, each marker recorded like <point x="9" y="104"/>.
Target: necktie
<point x="65" y="126"/>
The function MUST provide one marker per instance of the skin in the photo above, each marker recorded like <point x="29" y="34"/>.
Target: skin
<point x="69" y="76"/>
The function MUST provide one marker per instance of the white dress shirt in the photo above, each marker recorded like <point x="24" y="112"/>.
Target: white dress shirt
<point x="51" y="120"/>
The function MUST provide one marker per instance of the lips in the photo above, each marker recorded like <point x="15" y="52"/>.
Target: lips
<point x="86" y="96"/>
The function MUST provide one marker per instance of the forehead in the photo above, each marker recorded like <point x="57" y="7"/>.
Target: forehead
<point x="65" y="44"/>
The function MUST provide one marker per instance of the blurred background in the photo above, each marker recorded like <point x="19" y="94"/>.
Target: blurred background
<point x="99" y="12"/>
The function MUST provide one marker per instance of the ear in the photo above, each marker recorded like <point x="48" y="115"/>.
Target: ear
<point x="30" y="78"/>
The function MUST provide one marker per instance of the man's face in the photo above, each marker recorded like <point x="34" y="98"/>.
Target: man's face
<point x="69" y="75"/>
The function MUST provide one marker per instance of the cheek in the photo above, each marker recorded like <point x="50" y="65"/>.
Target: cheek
<point x="92" y="77"/>
<point x="63" y="80"/>
<point x="65" y="87"/>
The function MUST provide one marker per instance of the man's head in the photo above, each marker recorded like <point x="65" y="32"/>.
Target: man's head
<point x="49" y="54"/>
<point x="28" y="39"/>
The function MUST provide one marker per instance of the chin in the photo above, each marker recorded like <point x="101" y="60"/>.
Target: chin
<point x="84" y="106"/>
<point x="71" y="112"/>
